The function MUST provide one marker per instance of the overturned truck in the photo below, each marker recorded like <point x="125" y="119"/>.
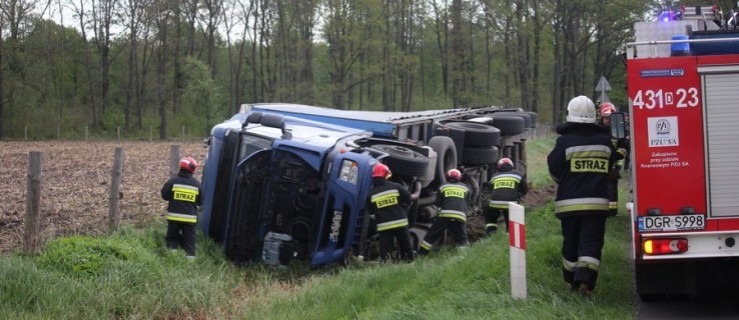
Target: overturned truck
<point x="285" y="182"/>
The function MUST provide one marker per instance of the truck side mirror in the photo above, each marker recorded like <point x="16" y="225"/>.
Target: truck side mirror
<point x="618" y="125"/>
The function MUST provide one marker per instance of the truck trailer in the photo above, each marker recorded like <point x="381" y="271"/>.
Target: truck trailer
<point x="682" y="79"/>
<point x="286" y="182"/>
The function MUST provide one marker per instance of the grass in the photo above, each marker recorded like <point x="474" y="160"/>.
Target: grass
<point x="131" y="275"/>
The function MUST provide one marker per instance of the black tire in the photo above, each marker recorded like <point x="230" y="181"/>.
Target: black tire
<point x="404" y="161"/>
<point x="477" y="134"/>
<point x="446" y="157"/>
<point x="474" y="156"/>
<point x="508" y="124"/>
<point x="533" y="118"/>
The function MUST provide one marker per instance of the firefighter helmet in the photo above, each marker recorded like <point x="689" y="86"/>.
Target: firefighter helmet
<point x="505" y="164"/>
<point x="381" y="171"/>
<point x="189" y="164"/>
<point x="454" y="174"/>
<point x="606" y="108"/>
<point x="581" y="110"/>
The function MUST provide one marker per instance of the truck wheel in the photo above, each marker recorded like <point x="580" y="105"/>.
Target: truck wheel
<point x="533" y="118"/>
<point x="446" y="156"/>
<point x="404" y="161"/>
<point x="508" y="124"/>
<point x="477" y="134"/>
<point x="474" y="156"/>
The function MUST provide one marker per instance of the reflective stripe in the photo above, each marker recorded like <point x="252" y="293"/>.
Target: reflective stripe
<point x="454" y="214"/>
<point x="588" y="262"/>
<point x="580" y="204"/>
<point x="184" y="192"/>
<point x="568" y="265"/>
<point x="425" y="245"/>
<point x="499" y="204"/>
<point x="181" y="217"/>
<point x="488" y="225"/>
<point x="613" y="205"/>
<point x="454" y="191"/>
<point x="385" y="198"/>
<point x="589" y="151"/>
<point x="392" y="224"/>
<point x="508" y="175"/>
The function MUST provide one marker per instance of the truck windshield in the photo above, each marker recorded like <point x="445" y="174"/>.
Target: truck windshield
<point x="251" y="144"/>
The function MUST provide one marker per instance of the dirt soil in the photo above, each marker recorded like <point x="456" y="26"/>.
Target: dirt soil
<point x="75" y="186"/>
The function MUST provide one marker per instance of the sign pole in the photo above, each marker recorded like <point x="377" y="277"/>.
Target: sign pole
<point x="517" y="238"/>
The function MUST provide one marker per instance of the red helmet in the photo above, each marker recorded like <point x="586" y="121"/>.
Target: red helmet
<point x="606" y="108"/>
<point x="454" y="174"/>
<point x="505" y="164"/>
<point x="381" y="171"/>
<point x="189" y="164"/>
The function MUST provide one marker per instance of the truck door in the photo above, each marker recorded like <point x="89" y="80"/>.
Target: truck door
<point x="340" y="224"/>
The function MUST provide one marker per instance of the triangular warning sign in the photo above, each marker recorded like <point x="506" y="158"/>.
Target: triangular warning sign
<point x="603" y="85"/>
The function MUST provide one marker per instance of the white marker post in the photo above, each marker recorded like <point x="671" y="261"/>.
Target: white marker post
<point x="517" y="237"/>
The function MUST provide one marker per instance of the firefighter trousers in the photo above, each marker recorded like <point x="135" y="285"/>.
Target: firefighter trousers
<point x="491" y="219"/>
<point x="456" y="227"/>
<point x="582" y="246"/>
<point x="387" y="243"/>
<point x="181" y="235"/>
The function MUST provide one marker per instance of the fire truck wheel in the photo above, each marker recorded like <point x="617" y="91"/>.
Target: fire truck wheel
<point x="477" y="134"/>
<point x="446" y="156"/>
<point x="474" y="156"/>
<point x="508" y="124"/>
<point x="403" y="161"/>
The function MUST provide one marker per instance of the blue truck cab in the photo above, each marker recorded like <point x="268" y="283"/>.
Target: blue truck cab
<point x="289" y="182"/>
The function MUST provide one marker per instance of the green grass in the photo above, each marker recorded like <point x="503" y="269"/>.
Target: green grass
<point x="131" y="275"/>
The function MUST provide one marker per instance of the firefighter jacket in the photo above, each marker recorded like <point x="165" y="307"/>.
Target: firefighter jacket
<point x="508" y="186"/>
<point x="579" y="163"/>
<point x="389" y="203"/>
<point x="453" y="200"/>
<point x="184" y="194"/>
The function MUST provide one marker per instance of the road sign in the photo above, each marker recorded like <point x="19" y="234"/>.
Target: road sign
<point x="603" y="86"/>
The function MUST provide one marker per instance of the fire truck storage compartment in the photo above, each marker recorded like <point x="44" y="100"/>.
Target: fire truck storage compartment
<point x="722" y="133"/>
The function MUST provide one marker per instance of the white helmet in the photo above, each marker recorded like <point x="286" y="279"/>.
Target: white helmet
<point x="581" y="110"/>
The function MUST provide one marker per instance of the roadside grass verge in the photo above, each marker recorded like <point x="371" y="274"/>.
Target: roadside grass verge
<point x="131" y="274"/>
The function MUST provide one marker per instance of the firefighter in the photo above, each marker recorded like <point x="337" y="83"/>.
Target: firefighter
<point x="621" y="146"/>
<point x="579" y="163"/>
<point x="389" y="203"/>
<point x="185" y="195"/>
<point x="508" y="186"/>
<point x="453" y="202"/>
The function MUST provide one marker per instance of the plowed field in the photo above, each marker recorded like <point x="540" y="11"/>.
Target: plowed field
<point x="76" y="185"/>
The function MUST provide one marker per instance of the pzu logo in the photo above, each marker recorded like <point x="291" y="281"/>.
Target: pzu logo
<point x="662" y="126"/>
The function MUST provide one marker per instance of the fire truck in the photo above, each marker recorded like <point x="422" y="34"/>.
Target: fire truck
<point x="683" y="88"/>
<point x="285" y="182"/>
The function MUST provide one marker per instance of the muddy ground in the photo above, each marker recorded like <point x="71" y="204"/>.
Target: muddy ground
<point x="76" y="185"/>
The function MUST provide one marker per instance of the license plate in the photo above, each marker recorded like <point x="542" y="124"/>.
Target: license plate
<point x="672" y="222"/>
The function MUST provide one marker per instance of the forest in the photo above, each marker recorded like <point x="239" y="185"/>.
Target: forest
<point x="73" y="69"/>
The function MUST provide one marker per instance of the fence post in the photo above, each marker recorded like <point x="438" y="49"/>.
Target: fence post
<point x="517" y="237"/>
<point x="174" y="160"/>
<point x="33" y="200"/>
<point x="115" y="186"/>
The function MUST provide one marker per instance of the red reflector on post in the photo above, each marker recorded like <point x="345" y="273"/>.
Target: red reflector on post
<point x="665" y="246"/>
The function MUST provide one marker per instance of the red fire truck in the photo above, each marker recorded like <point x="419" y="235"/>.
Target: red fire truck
<point x="683" y="87"/>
